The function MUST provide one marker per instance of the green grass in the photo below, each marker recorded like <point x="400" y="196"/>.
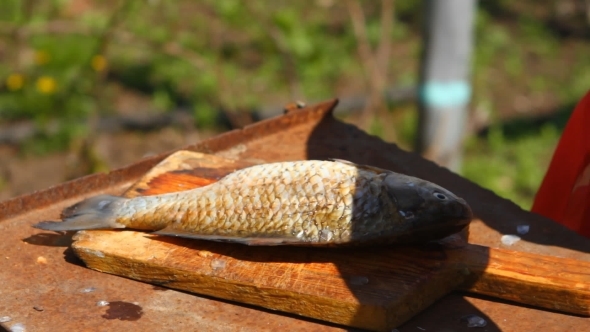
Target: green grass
<point x="512" y="168"/>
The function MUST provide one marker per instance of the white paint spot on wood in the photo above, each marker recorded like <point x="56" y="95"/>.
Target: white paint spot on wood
<point x="509" y="239"/>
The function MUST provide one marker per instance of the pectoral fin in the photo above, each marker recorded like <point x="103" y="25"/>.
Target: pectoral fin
<point x="250" y="241"/>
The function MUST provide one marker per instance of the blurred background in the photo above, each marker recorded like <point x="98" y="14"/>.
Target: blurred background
<point x="88" y="86"/>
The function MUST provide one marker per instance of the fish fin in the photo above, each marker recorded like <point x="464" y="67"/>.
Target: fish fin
<point x="360" y="166"/>
<point x="93" y="213"/>
<point x="251" y="241"/>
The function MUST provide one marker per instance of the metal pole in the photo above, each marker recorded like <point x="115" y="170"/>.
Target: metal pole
<point x="444" y="89"/>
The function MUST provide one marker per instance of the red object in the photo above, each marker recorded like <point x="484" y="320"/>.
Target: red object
<point x="564" y="195"/>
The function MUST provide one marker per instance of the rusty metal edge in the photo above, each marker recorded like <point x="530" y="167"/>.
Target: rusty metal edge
<point x="101" y="181"/>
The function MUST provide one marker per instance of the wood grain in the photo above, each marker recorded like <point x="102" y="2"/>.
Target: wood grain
<point x="372" y="288"/>
<point x="548" y="282"/>
<point x="369" y="288"/>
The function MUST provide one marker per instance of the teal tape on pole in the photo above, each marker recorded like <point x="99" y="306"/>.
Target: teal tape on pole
<point x="445" y="94"/>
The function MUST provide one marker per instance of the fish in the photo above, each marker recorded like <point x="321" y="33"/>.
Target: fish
<point x="301" y="203"/>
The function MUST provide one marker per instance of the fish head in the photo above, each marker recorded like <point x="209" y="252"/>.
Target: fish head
<point x="426" y="210"/>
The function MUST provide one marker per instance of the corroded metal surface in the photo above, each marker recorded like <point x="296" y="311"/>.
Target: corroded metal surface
<point x="45" y="288"/>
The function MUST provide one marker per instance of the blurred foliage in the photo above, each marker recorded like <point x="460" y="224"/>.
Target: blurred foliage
<point x="511" y="168"/>
<point x="69" y="60"/>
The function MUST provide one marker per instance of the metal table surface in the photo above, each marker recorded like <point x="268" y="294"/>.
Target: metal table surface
<point x="46" y="288"/>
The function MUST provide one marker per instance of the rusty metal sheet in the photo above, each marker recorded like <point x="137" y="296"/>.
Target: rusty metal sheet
<point x="45" y="288"/>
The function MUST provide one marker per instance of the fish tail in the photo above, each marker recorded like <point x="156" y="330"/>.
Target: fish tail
<point x="97" y="212"/>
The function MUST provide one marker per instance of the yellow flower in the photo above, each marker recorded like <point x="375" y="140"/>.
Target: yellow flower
<point x="98" y="63"/>
<point x="15" y="82"/>
<point x="42" y="57"/>
<point x="46" y="85"/>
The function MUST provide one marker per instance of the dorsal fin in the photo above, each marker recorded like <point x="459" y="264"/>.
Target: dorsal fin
<point x="369" y="168"/>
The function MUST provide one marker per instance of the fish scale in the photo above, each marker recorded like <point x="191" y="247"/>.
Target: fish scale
<point x="308" y="202"/>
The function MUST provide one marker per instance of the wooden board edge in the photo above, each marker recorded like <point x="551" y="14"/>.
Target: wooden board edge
<point x="373" y="317"/>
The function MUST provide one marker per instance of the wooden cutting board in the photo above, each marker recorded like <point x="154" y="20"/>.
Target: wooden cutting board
<point x="373" y="288"/>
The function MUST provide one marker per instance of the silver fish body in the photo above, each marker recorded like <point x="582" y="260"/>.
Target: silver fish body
<point x="297" y="203"/>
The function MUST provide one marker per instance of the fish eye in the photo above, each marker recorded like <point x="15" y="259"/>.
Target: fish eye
<point x="440" y="196"/>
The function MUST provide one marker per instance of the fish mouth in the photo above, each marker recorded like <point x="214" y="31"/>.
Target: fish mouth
<point x="432" y="233"/>
<point x="459" y="215"/>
